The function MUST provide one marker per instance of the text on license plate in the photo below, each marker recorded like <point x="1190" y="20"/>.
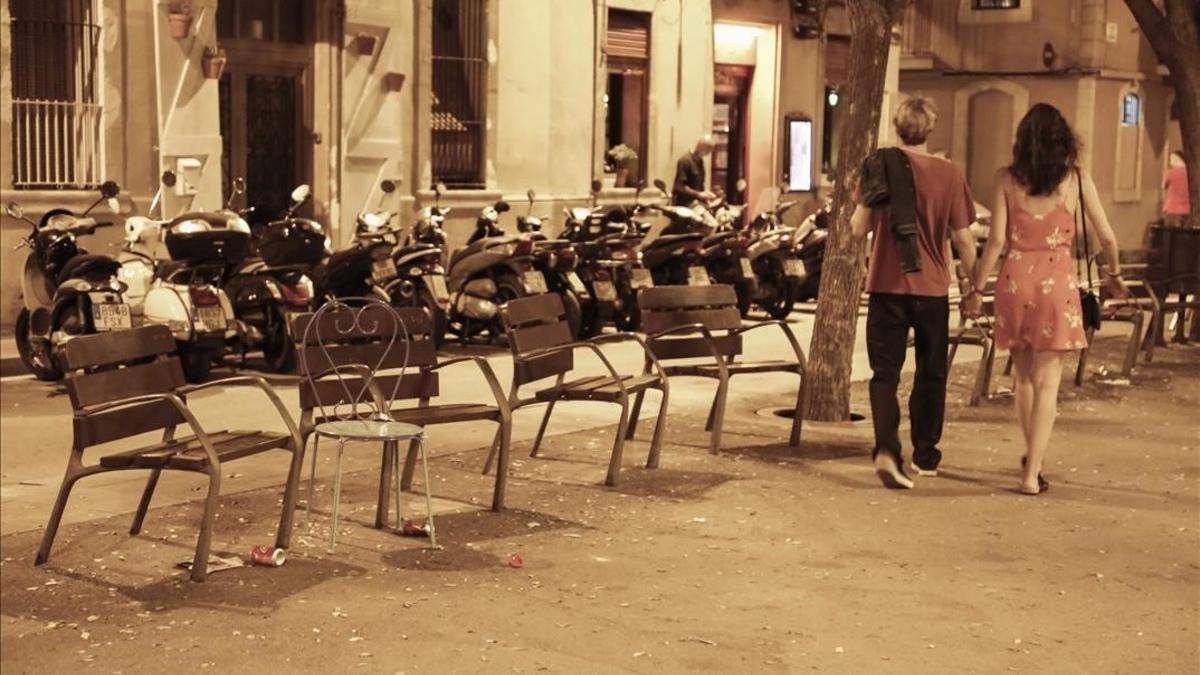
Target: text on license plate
<point x="576" y="283"/>
<point x="382" y="270"/>
<point x="747" y="268"/>
<point x="108" y="316"/>
<point x="605" y="291"/>
<point x="641" y="278"/>
<point x="697" y="276"/>
<point x="210" y="318"/>
<point x="535" y="282"/>
<point x="793" y="268"/>
<point x="437" y="286"/>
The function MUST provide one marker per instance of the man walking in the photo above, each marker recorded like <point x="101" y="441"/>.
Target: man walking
<point x="912" y="201"/>
<point x="689" y="175"/>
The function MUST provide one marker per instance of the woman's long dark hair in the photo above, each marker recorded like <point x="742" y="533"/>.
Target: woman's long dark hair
<point x="1045" y="150"/>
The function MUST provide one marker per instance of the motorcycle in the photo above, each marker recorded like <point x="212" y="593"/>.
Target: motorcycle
<point x="266" y="289"/>
<point x="673" y="252"/>
<point x="364" y="268"/>
<point x="66" y="291"/>
<point x="773" y="256"/>
<point x="556" y="260"/>
<point x="810" y="241"/>
<point x="726" y="251"/>
<point x="420" y="278"/>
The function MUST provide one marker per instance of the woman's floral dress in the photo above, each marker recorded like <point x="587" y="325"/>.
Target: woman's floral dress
<point x="1037" y="294"/>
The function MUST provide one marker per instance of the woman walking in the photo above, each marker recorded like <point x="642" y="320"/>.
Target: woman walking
<point x="1038" y="314"/>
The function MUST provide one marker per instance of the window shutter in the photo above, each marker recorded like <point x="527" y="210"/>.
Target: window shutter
<point x="628" y="35"/>
<point x="837" y="61"/>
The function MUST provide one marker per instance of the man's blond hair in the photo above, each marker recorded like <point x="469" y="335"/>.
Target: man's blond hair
<point x="915" y="118"/>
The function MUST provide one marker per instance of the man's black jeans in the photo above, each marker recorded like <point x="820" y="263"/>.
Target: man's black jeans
<point x="889" y="318"/>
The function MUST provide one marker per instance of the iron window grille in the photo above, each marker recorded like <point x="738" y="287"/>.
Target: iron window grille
<point x="57" y="117"/>
<point x="459" y="102"/>
<point x="996" y="4"/>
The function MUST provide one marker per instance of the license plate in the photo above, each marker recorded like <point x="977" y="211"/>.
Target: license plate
<point x="210" y="318"/>
<point x="641" y="278"/>
<point x="794" y="268"/>
<point x="437" y="286"/>
<point x="576" y="283"/>
<point x="108" y="316"/>
<point x="697" y="276"/>
<point x="535" y="282"/>
<point x="605" y="291"/>
<point x="383" y="270"/>
<point x="747" y="268"/>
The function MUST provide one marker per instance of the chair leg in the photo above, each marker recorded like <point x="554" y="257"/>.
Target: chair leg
<point x="633" y="415"/>
<point x="505" y="435"/>
<point x="660" y="428"/>
<point x="801" y="411"/>
<point x="1131" y="349"/>
<point x="428" y="497"/>
<point x="991" y="368"/>
<point x="487" y="463"/>
<point x="410" y="465"/>
<point x="283" y="537"/>
<point x="1083" y="357"/>
<point x="144" y="504"/>
<point x="712" y="412"/>
<point x="312" y="483"/>
<point x="537" y="440"/>
<point x="1008" y="365"/>
<point x="204" y="541"/>
<point x="397" y="486"/>
<point x="717" y="416"/>
<point x="386" y="467"/>
<point x="950" y="356"/>
<point x="614" y="464"/>
<point x="60" y="505"/>
<point x="337" y="495"/>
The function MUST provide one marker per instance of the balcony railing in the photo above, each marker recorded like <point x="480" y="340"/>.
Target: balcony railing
<point x="57" y="144"/>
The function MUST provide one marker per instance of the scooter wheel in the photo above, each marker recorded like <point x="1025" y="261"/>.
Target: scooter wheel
<point x="197" y="364"/>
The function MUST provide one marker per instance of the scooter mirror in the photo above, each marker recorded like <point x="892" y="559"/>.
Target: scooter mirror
<point x="741" y="185"/>
<point x="658" y="183"/>
<point x="388" y="186"/>
<point x="114" y="205"/>
<point x="109" y="189"/>
<point x="239" y="185"/>
<point x="14" y="209"/>
<point x="300" y="193"/>
<point x="439" y="188"/>
<point x="169" y="179"/>
<point x="502" y="206"/>
<point x="595" y="186"/>
<point x="530" y="194"/>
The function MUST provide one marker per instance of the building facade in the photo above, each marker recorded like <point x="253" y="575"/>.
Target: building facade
<point x="490" y="98"/>
<point x="986" y="61"/>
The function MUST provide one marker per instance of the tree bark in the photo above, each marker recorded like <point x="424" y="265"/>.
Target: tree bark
<point x="832" y="349"/>
<point x="1175" y="39"/>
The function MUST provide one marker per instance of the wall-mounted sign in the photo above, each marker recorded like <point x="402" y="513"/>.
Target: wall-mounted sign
<point x="798" y="154"/>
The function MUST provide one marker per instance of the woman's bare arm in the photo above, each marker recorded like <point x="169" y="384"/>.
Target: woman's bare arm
<point x="997" y="235"/>
<point x="1098" y="221"/>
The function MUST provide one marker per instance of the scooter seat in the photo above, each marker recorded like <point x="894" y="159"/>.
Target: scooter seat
<point x="672" y="239"/>
<point x="88" y="266"/>
<point x="719" y="237"/>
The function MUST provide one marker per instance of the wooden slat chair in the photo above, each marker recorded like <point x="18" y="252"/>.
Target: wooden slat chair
<point x="542" y="347"/>
<point x="364" y="348"/>
<point x="126" y="383"/>
<point x="697" y="322"/>
<point x="978" y="333"/>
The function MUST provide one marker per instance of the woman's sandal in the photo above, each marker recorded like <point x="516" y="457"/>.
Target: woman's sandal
<point x="1043" y="484"/>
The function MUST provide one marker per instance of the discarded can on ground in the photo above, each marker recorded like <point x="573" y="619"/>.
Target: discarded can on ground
<point x="515" y="561"/>
<point x="412" y="528"/>
<point x="268" y="556"/>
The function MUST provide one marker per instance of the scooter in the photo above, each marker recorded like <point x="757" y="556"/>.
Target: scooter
<point x="810" y="239"/>
<point x="674" y="252"/>
<point x="420" y="278"/>
<point x="66" y="291"/>
<point x="773" y="256"/>
<point x="266" y="289"/>
<point x="557" y="260"/>
<point x="726" y="251"/>
<point x="364" y="268"/>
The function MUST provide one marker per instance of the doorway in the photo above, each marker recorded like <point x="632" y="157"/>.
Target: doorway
<point x="730" y="99"/>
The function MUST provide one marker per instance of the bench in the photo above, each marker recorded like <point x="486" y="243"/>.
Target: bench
<point x="702" y="325"/>
<point x="542" y="348"/>
<point x="125" y="383"/>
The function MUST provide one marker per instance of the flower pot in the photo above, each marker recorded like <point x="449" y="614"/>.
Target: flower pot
<point x="181" y="25"/>
<point x="622" y="177"/>
<point x="214" y="65"/>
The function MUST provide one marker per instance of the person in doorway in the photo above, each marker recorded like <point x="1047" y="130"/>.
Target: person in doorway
<point x="916" y="300"/>
<point x="1176" y="205"/>
<point x="1039" y="317"/>
<point x="689" y="175"/>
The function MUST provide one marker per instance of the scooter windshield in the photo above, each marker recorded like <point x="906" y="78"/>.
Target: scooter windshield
<point x="767" y="199"/>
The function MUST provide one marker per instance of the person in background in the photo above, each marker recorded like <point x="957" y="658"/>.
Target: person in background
<point x="689" y="175"/>
<point x="1039" y="317"/>
<point x="1176" y="206"/>
<point x="916" y="301"/>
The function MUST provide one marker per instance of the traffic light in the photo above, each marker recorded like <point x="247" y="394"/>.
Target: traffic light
<point x="807" y="16"/>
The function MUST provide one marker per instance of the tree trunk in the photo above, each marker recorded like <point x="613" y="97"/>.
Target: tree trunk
<point x="832" y="350"/>
<point x="1175" y="39"/>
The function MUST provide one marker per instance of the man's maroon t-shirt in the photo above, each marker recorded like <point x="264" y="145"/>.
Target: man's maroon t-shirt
<point x="943" y="203"/>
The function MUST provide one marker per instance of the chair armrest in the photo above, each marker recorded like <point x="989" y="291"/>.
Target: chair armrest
<point x="571" y="346"/>
<point x="634" y="337"/>
<point x="261" y="384"/>
<point x="680" y="330"/>
<point x="175" y="400"/>
<point x="489" y="376"/>
<point x="787" y="332"/>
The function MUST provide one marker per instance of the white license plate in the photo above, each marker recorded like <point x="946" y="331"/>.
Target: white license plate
<point x="794" y="268"/>
<point x="437" y="286"/>
<point x="383" y="271"/>
<point x="210" y="318"/>
<point x="576" y="283"/>
<point x="535" y="282"/>
<point x="108" y="316"/>
<point x="747" y="268"/>
<point x="605" y="291"/>
<point x="697" y="276"/>
<point x="641" y="278"/>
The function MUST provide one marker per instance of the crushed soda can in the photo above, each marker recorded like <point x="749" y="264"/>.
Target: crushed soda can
<point x="268" y="556"/>
<point x="515" y="561"/>
<point x="412" y="528"/>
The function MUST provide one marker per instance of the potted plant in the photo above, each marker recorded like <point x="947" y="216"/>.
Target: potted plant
<point x="179" y="17"/>
<point x="214" y="62"/>
<point x="622" y="159"/>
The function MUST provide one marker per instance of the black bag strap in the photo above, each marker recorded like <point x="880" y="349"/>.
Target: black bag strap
<point x="1087" y="255"/>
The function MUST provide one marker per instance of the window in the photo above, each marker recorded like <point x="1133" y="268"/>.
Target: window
<point x="56" y="116"/>
<point x="996" y="4"/>
<point x="626" y="113"/>
<point x="264" y="20"/>
<point x="1127" y="177"/>
<point x="1131" y="110"/>
<point x="459" y="103"/>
